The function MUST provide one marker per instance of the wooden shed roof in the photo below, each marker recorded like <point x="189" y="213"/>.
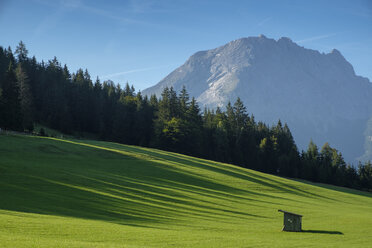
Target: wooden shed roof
<point x="286" y="212"/>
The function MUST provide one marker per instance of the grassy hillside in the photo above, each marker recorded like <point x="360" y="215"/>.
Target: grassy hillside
<point x="59" y="193"/>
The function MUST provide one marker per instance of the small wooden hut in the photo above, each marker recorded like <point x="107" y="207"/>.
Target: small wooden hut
<point x="292" y="222"/>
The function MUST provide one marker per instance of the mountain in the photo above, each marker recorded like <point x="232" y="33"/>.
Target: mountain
<point x="317" y="94"/>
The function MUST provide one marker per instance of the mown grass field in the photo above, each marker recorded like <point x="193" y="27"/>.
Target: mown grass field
<point x="58" y="193"/>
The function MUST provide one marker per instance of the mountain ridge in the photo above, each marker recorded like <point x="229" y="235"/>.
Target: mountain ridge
<point x="317" y="94"/>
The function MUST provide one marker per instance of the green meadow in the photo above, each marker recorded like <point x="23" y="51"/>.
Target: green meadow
<point x="83" y="193"/>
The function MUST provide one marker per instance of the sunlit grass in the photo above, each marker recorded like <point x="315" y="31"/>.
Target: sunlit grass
<point x="73" y="193"/>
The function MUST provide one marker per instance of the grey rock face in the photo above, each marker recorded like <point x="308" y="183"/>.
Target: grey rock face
<point x="317" y="94"/>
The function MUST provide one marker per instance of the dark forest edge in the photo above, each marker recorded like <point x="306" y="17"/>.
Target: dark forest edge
<point x="48" y="94"/>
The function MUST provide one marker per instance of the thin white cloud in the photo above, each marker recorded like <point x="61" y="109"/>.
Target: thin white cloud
<point x="152" y="6"/>
<point x="114" y="75"/>
<point x="48" y="23"/>
<point x="70" y="3"/>
<point x="264" y="21"/>
<point x="140" y="6"/>
<point x="73" y="5"/>
<point x="130" y="16"/>
<point x="107" y="14"/>
<point x="319" y="37"/>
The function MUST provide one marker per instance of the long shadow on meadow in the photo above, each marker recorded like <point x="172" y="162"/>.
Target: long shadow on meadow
<point x="183" y="161"/>
<point x="337" y="188"/>
<point x="237" y="172"/>
<point x="45" y="177"/>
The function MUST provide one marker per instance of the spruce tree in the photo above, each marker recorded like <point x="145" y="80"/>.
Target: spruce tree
<point x="184" y="101"/>
<point x="11" y="112"/>
<point x="21" y="52"/>
<point x="25" y="96"/>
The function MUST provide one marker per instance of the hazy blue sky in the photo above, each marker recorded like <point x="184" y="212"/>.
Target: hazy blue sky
<point x="142" y="41"/>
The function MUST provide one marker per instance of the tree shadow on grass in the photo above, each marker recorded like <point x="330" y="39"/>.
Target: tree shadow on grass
<point x="183" y="161"/>
<point x="93" y="183"/>
<point x="323" y="232"/>
<point x="234" y="171"/>
<point x="337" y="188"/>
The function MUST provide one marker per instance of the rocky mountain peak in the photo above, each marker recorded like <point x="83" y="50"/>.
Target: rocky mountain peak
<point x="317" y="94"/>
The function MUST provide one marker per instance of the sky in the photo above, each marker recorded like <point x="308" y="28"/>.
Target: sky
<point x="142" y="41"/>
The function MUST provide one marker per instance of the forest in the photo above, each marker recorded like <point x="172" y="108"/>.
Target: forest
<point x="48" y="94"/>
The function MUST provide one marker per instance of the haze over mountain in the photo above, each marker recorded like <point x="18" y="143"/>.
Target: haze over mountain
<point x="317" y="94"/>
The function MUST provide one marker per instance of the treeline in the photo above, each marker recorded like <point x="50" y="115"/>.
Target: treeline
<point x="48" y="94"/>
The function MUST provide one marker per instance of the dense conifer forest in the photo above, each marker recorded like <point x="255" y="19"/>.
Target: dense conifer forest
<point x="47" y="94"/>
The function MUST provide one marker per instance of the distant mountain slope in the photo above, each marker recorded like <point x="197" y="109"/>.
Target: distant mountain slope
<point x="317" y="94"/>
<point x="83" y="193"/>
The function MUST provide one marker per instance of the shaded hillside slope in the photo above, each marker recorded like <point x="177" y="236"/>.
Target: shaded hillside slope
<point x="99" y="194"/>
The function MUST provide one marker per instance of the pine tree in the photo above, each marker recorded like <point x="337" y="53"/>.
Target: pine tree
<point x="365" y="174"/>
<point x="184" y="101"/>
<point x="66" y="74"/>
<point x="311" y="162"/>
<point x="312" y="151"/>
<point x="26" y="102"/>
<point x="193" y="129"/>
<point x="11" y="111"/>
<point x="240" y="114"/>
<point x="21" y="52"/>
